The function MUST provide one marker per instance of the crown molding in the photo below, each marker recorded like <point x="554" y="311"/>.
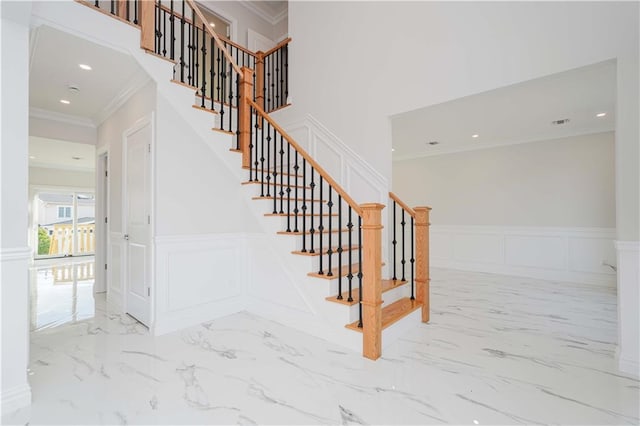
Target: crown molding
<point x="272" y="19"/>
<point x="75" y="120"/>
<point x="137" y="82"/>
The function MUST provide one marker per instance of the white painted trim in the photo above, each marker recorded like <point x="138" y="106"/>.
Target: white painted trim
<point x="15" y="398"/>
<point x="15" y="253"/>
<point x="633" y="246"/>
<point x="137" y="82"/>
<point x="628" y="262"/>
<point x="628" y="366"/>
<point x="478" y="147"/>
<point x="60" y="167"/>
<point x="33" y="43"/>
<point x="102" y="199"/>
<point x="60" y="117"/>
<point x="559" y="254"/>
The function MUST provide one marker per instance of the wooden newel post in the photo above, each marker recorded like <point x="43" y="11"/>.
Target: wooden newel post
<point x="260" y="78"/>
<point x="244" y="115"/>
<point x="422" y="259"/>
<point x="372" y="280"/>
<point x="147" y="25"/>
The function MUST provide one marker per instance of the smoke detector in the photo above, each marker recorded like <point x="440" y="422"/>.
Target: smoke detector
<point x="560" y="122"/>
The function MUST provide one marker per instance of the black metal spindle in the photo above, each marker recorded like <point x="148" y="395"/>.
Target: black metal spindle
<point x="164" y="33"/>
<point x="330" y="207"/>
<point x="350" y="275"/>
<point x="275" y="171"/>
<point x="219" y="77"/>
<point x="113" y="4"/>
<point x="262" y="157"/>
<point x="196" y="55"/>
<point x="295" y="195"/>
<point x="321" y="228"/>
<point x="276" y="77"/>
<point x="256" y="163"/>
<point x="267" y="183"/>
<point x="403" y="261"/>
<point x="360" y="271"/>
<point x="203" y="90"/>
<point x="182" y="45"/>
<point x="394" y="242"/>
<point x="304" y="205"/>
<point x="281" y="174"/>
<point x="128" y="10"/>
<point x="223" y="89"/>
<point x="289" y="187"/>
<point x="172" y="47"/>
<point x="135" y="12"/>
<point x="97" y="3"/>
<point x="211" y="78"/>
<point x="251" y="132"/>
<point x="339" y="246"/>
<point x="156" y="33"/>
<point x="286" y="69"/>
<point x="412" y="260"/>
<point x="273" y="89"/>
<point x="312" y="230"/>
<point x="237" y="132"/>
<point x="283" y="100"/>
<point x="230" y="75"/>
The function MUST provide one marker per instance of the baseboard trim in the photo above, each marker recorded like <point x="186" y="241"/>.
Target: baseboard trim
<point x="628" y="366"/>
<point x="16" y="398"/>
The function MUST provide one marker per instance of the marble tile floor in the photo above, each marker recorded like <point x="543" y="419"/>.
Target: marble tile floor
<point x="498" y="350"/>
<point x="61" y="291"/>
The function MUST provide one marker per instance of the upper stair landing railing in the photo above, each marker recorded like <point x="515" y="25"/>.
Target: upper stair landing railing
<point x="126" y="10"/>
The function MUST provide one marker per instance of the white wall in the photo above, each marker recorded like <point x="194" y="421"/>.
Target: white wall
<point x="59" y="177"/>
<point x="14" y="253"/>
<point x="568" y="182"/>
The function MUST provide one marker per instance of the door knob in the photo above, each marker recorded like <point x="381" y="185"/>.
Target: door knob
<point x="126" y="237"/>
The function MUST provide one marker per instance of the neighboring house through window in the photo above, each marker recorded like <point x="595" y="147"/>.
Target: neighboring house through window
<point x="64" y="212"/>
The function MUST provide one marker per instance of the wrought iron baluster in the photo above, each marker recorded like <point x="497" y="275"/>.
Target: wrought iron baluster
<point x="212" y="75"/>
<point x="268" y="159"/>
<point x="413" y="261"/>
<point x="289" y="187"/>
<point x="281" y="174"/>
<point x="339" y="246"/>
<point x="360" y="272"/>
<point x="304" y="205"/>
<point x="203" y="90"/>
<point x="276" y="77"/>
<point x="403" y="261"/>
<point x="231" y="75"/>
<point x="182" y="45"/>
<point x="350" y="275"/>
<point x="164" y="33"/>
<point x="295" y="195"/>
<point x="312" y="228"/>
<point x="275" y="171"/>
<point x="394" y="242"/>
<point x="172" y="47"/>
<point x="262" y="157"/>
<point x="321" y="228"/>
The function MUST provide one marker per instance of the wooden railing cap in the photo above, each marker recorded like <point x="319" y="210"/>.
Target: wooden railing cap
<point x="372" y="206"/>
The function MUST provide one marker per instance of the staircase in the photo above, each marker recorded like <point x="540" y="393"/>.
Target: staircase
<point x="336" y="240"/>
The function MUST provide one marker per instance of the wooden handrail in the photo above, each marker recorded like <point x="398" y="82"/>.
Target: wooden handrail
<point x="278" y="46"/>
<point x="223" y="38"/>
<point x="308" y="158"/>
<point x="215" y="36"/>
<point x="402" y="204"/>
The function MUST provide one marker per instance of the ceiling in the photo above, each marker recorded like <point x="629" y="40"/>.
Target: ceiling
<point x="54" y="66"/>
<point x="55" y="59"/>
<point x="515" y="114"/>
<point x="59" y="154"/>
<point x="271" y="11"/>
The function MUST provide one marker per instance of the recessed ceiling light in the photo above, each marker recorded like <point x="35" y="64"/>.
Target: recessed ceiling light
<point x="475" y="136"/>
<point x="393" y="149"/>
<point x="64" y="101"/>
<point x="433" y="143"/>
<point x="212" y="24"/>
<point x="33" y="157"/>
<point x="601" y="114"/>
<point x="85" y="67"/>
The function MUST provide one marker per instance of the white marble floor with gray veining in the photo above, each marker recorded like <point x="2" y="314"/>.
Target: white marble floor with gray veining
<point x="498" y="350"/>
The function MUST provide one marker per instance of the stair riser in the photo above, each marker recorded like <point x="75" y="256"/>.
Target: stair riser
<point x="315" y="261"/>
<point x="387" y="298"/>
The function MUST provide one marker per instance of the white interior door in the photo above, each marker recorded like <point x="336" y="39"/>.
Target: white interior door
<point x="137" y="223"/>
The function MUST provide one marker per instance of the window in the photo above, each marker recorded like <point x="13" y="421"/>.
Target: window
<point x="64" y="212"/>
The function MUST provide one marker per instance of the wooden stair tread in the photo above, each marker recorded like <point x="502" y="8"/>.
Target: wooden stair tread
<point x="298" y="233"/>
<point x="187" y="85"/>
<point x="205" y="109"/>
<point x="392" y="313"/>
<point x="226" y="132"/>
<point x="355" y="292"/>
<point x="270" y="197"/>
<point x="317" y="252"/>
<point x="152" y="53"/>
<point x="337" y="273"/>
<point x="300" y="214"/>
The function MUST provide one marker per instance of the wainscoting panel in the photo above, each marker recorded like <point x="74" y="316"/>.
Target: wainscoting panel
<point x="198" y="278"/>
<point x="563" y="254"/>
<point x="357" y="176"/>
